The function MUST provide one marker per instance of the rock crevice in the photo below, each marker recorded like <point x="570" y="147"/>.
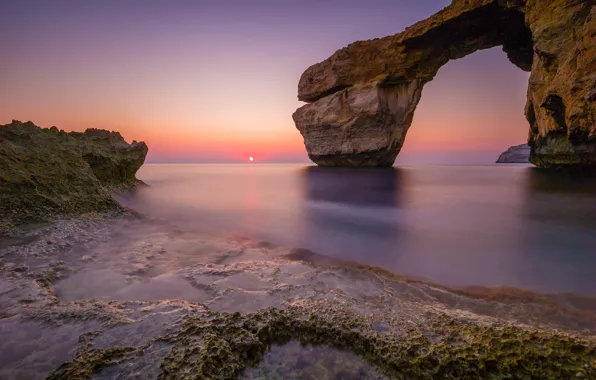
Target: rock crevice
<point x="362" y="99"/>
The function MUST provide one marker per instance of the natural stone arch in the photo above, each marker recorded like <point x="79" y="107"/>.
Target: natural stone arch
<point x="362" y="99"/>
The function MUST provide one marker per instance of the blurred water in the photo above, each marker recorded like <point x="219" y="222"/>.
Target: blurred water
<point x="456" y="225"/>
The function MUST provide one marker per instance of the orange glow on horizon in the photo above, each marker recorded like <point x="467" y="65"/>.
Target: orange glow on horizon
<point x="195" y="126"/>
<point x="223" y="90"/>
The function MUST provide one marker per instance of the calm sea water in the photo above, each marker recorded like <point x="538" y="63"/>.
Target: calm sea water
<point x="455" y="225"/>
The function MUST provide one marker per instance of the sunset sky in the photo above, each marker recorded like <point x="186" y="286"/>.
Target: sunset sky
<point x="216" y="81"/>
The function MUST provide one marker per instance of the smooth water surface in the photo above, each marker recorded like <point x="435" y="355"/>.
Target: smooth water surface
<point x="493" y="225"/>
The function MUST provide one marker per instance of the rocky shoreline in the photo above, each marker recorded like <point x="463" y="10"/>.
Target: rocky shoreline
<point x="46" y="173"/>
<point x="246" y="295"/>
<point x="93" y="291"/>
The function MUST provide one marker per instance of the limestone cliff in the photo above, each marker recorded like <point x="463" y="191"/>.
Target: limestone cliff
<point x="518" y="154"/>
<point x="45" y="172"/>
<point x="362" y="99"/>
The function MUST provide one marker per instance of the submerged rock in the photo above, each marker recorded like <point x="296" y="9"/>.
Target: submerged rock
<point x="518" y="154"/>
<point x="46" y="172"/>
<point x="362" y="99"/>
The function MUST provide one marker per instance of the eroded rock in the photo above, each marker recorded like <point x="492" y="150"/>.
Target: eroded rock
<point x="364" y="125"/>
<point x="362" y="98"/>
<point x="221" y="346"/>
<point x="46" y="172"/>
<point x="403" y="327"/>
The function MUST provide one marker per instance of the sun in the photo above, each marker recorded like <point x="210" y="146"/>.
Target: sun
<point x="251" y="159"/>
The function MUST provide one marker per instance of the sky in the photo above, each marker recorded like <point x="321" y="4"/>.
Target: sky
<point x="216" y="80"/>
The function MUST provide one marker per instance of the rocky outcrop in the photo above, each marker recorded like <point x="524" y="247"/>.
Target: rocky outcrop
<point x="45" y="172"/>
<point x="518" y="154"/>
<point x="362" y="99"/>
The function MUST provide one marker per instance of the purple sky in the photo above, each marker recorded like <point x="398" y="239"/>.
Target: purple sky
<point x="216" y="80"/>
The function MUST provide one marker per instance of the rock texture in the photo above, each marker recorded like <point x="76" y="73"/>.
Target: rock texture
<point x="256" y="295"/>
<point x="45" y="172"/>
<point x="518" y="154"/>
<point x="362" y="99"/>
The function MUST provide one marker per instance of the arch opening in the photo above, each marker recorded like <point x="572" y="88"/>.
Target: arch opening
<point x="362" y="99"/>
<point x="470" y="113"/>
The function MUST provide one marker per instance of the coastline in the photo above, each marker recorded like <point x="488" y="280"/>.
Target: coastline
<point x="61" y="279"/>
<point x="319" y="247"/>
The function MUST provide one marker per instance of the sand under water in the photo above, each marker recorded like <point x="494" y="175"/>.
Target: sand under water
<point x="127" y="296"/>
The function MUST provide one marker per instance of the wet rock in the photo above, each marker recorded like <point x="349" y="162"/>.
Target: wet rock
<point x="222" y="346"/>
<point x="362" y="99"/>
<point x="404" y="328"/>
<point x="46" y="172"/>
<point x="518" y="154"/>
<point x="296" y="361"/>
<point x="17" y="294"/>
<point x="145" y="365"/>
<point x="31" y="350"/>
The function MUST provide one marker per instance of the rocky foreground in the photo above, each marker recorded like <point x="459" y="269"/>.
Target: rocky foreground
<point x="99" y="293"/>
<point x="48" y="172"/>
<point x="362" y="99"/>
<point x="99" y="297"/>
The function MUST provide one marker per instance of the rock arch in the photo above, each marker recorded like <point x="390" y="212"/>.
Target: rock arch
<point x="361" y="100"/>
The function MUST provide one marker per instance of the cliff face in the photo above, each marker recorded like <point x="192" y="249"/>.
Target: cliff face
<point x="114" y="162"/>
<point x="44" y="172"/>
<point x="362" y="99"/>
<point x="518" y="154"/>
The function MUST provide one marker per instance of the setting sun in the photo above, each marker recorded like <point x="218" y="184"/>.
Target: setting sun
<point x="251" y="159"/>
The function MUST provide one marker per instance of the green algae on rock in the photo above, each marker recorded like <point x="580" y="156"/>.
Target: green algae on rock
<point x="222" y="345"/>
<point x="48" y="172"/>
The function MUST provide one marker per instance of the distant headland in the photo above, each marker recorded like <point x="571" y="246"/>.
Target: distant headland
<point x="518" y="154"/>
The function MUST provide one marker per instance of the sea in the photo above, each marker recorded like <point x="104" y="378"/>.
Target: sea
<point x="458" y="226"/>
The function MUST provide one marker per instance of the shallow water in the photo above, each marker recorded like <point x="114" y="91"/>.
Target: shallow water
<point x="146" y="366"/>
<point x="456" y="225"/>
<point x="99" y="282"/>
<point x="306" y="362"/>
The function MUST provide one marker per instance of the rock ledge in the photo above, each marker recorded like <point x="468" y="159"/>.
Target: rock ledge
<point x="48" y="172"/>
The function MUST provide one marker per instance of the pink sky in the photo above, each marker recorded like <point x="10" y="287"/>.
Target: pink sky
<point x="216" y="81"/>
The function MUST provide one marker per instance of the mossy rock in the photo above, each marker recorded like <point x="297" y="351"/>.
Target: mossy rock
<point x="48" y="172"/>
<point x="222" y="345"/>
